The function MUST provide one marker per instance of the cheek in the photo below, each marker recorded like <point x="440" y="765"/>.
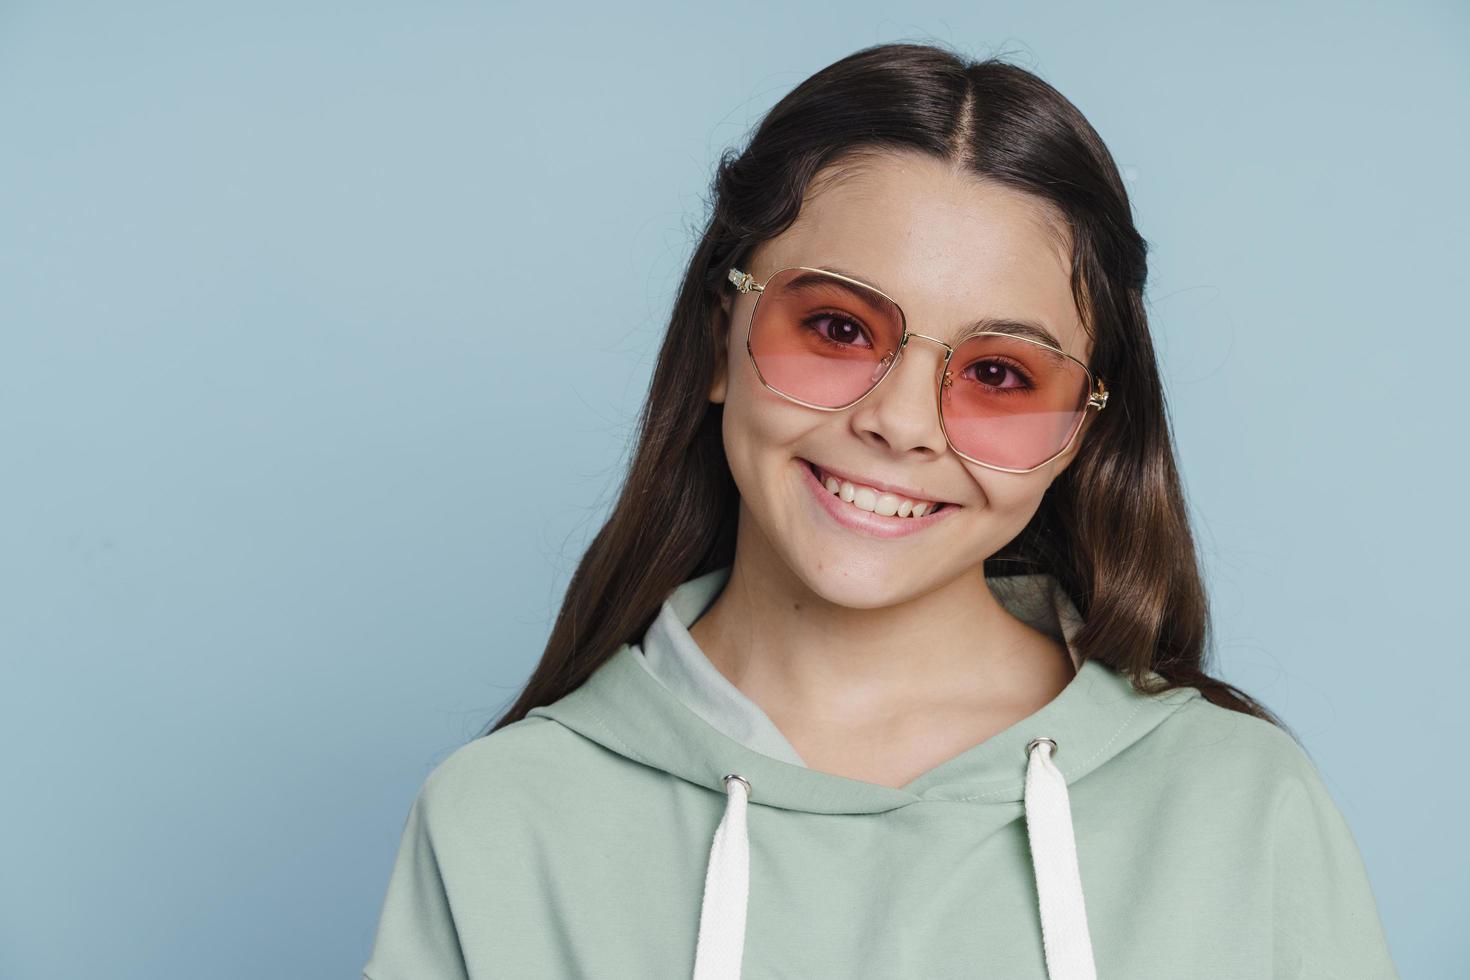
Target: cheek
<point x="760" y="428"/>
<point x="757" y="418"/>
<point x="1010" y="498"/>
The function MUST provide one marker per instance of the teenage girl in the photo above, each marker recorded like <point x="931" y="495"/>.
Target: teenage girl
<point x="889" y="661"/>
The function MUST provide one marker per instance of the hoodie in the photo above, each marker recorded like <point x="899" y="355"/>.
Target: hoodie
<point x="654" y="823"/>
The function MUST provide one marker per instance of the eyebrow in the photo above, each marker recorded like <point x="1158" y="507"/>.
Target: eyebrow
<point x="1031" y="329"/>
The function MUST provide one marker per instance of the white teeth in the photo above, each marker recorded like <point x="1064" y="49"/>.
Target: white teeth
<point x="878" y="502"/>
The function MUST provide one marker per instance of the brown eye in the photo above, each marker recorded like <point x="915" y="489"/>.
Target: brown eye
<point x="992" y="373"/>
<point x="838" y="329"/>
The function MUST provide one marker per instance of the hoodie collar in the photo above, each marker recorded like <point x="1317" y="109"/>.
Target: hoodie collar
<point x="625" y="707"/>
<point x="682" y="716"/>
<point x="671" y="655"/>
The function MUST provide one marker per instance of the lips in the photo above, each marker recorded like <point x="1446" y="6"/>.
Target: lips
<point x="866" y="522"/>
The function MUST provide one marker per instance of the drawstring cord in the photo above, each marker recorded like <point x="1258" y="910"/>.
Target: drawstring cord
<point x="1064" y="934"/>
<point x="721" y="943"/>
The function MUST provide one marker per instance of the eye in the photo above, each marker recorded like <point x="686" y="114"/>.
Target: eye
<point x="838" y="329"/>
<point x="992" y="373"/>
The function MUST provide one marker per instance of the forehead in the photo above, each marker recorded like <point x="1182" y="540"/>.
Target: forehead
<point x="948" y="247"/>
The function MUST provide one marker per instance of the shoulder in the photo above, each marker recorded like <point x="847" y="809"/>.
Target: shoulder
<point x="1211" y="730"/>
<point x="1257" y="765"/>
<point x="518" y="769"/>
<point x="523" y="785"/>
<point x="504" y="785"/>
<point x="1267" y="790"/>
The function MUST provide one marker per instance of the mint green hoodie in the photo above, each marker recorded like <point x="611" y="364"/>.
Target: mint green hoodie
<point x="1109" y="834"/>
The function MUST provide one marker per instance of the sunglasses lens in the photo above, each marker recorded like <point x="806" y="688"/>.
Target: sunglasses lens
<point x="821" y="339"/>
<point x="826" y="341"/>
<point x="1011" y="402"/>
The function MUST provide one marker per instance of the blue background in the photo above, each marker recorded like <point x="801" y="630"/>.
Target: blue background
<point x="323" y="329"/>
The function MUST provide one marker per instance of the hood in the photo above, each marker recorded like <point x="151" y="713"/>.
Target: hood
<point x="663" y="704"/>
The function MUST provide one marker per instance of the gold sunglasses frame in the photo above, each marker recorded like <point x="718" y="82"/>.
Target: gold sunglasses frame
<point x="1097" y="391"/>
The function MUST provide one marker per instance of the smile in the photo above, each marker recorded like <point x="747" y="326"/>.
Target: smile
<point x="868" y="509"/>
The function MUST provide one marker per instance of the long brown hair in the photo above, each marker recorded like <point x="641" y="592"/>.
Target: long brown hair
<point x="1112" y="527"/>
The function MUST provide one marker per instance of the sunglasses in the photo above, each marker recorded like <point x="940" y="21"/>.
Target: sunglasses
<point x="1007" y="401"/>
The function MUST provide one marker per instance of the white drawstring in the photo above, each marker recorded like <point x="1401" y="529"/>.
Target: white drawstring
<point x="721" y="942"/>
<point x="1065" y="940"/>
<point x="1064" y="934"/>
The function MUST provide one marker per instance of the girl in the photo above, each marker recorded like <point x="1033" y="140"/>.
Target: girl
<point x="889" y="661"/>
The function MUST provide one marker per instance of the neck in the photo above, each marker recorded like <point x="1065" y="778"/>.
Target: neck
<point x="800" y="655"/>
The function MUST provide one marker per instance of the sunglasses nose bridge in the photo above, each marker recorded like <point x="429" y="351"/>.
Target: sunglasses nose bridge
<point x="892" y="361"/>
<point x="910" y="335"/>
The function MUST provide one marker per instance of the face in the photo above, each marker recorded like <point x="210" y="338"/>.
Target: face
<point x="949" y="249"/>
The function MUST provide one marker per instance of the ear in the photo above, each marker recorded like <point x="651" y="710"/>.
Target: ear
<point x="720" y="330"/>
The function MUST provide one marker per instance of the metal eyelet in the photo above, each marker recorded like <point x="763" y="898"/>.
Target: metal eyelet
<point x="1032" y="744"/>
<point x="735" y="775"/>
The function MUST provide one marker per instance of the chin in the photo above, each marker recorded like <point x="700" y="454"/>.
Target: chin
<point x="861" y="581"/>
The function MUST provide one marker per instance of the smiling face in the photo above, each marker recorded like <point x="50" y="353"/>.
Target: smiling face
<point x="950" y="249"/>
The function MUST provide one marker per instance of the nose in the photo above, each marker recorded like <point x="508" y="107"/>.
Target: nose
<point x="903" y="410"/>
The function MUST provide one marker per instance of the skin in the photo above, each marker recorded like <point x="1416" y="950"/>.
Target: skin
<point x="879" y="659"/>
